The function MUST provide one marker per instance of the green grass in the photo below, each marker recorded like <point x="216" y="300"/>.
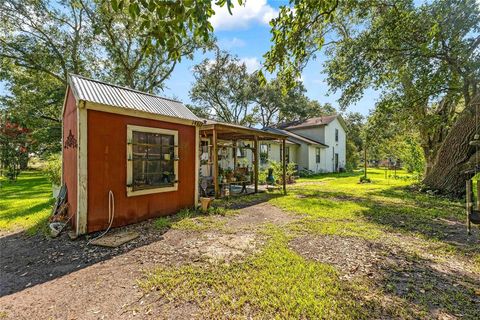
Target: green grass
<point x="26" y="203"/>
<point x="276" y="283"/>
<point x="339" y="204"/>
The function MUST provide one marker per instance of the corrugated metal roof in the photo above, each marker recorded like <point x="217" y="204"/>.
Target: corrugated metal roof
<point x="317" y="121"/>
<point x="108" y="94"/>
<point x="295" y="137"/>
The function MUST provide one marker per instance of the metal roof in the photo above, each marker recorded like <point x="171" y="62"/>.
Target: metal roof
<point x="112" y="95"/>
<point x="311" y="122"/>
<point x="295" y="137"/>
<point x="232" y="128"/>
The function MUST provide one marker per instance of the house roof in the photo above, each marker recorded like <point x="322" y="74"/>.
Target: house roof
<point x="122" y="97"/>
<point x="311" y="122"/>
<point x="295" y="138"/>
<point x="235" y="131"/>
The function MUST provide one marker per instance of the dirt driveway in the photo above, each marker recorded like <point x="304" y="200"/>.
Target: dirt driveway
<point x="63" y="279"/>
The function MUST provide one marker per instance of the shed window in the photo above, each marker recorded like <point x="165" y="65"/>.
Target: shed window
<point x="336" y="135"/>
<point x="317" y="155"/>
<point x="152" y="160"/>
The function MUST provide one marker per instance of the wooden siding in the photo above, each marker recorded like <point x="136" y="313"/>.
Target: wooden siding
<point x="107" y="163"/>
<point x="70" y="154"/>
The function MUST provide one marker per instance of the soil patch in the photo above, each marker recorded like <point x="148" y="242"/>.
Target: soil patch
<point x="64" y="279"/>
<point x="351" y="256"/>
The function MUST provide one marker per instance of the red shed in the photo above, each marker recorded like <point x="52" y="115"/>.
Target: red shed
<point x="137" y="150"/>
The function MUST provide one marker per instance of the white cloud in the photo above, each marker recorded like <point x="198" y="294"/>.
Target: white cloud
<point x="252" y="64"/>
<point x="231" y="43"/>
<point x="242" y="16"/>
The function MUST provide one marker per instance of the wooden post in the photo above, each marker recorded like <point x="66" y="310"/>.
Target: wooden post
<point x="215" y="163"/>
<point x="284" y="166"/>
<point x="469" y="203"/>
<point x="234" y="155"/>
<point x="255" y="162"/>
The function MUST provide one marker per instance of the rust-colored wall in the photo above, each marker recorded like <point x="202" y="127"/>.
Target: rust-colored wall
<point x="107" y="170"/>
<point x="70" y="153"/>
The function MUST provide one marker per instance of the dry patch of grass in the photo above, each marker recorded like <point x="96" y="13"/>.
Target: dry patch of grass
<point x="276" y="283"/>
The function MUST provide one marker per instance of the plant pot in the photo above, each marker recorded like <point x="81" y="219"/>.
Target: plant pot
<point x="205" y="203"/>
<point x="55" y="190"/>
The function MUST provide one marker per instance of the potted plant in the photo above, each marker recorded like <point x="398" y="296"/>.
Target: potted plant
<point x="53" y="170"/>
<point x="228" y="174"/>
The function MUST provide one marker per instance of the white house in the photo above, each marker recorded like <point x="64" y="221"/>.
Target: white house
<point x="317" y="144"/>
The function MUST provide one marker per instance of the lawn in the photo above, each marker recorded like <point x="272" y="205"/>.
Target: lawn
<point x="25" y="204"/>
<point x="415" y="258"/>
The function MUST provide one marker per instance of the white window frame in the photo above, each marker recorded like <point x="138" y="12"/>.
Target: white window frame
<point x="318" y="152"/>
<point x="130" y="130"/>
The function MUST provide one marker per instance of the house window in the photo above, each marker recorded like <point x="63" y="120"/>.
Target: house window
<point x="317" y="155"/>
<point x="336" y="135"/>
<point x="287" y="154"/>
<point x="152" y="160"/>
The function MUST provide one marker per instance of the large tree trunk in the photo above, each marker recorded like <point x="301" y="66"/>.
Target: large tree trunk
<point x="455" y="156"/>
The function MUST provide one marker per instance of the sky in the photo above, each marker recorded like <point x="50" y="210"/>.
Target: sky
<point x="247" y="35"/>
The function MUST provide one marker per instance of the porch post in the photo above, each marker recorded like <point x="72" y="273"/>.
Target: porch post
<point x="284" y="166"/>
<point x="215" y="162"/>
<point x="234" y="155"/>
<point x="255" y="161"/>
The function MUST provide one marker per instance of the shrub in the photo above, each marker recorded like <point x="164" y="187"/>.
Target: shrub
<point x="53" y="169"/>
<point x="364" y="179"/>
<point x="278" y="170"/>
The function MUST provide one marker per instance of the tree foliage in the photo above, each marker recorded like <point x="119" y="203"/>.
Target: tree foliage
<point x="42" y="41"/>
<point x="173" y="23"/>
<point x="222" y="89"/>
<point x="424" y="59"/>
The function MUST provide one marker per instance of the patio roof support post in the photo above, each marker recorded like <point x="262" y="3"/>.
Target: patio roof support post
<point x="215" y="163"/>
<point x="234" y="155"/>
<point x="255" y="162"/>
<point x="284" y="166"/>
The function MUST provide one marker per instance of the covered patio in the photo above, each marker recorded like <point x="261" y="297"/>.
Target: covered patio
<point x="225" y="149"/>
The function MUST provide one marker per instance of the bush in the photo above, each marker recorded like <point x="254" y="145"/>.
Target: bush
<point x="364" y="179"/>
<point x="278" y="170"/>
<point x="305" y="173"/>
<point x="53" y="169"/>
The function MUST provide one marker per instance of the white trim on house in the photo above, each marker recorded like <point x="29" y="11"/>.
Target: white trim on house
<point x="140" y="114"/>
<point x="130" y="129"/>
<point x="197" y="165"/>
<point x="82" y="163"/>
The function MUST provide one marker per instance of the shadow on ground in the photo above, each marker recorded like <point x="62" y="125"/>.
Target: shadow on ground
<point x="30" y="260"/>
<point x="410" y="212"/>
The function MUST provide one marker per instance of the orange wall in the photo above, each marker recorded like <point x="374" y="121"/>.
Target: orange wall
<point x="70" y="154"/>
<point x="107" y="170"/>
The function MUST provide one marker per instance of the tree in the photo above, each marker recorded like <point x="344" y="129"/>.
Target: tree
<point x="274" y="106"/>
<point x="354" y="122"/>
<point x="13" y="146"/>
<point x="222" y="89"/>
<point x="135" y="58"/>
<point x="456" y="156"/>
<point x="424" y="59"/>
<point x="42" y="41"/>
<point x="173" y="23"/>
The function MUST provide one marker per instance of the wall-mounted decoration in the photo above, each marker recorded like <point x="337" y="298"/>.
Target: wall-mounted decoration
<point x="70" y="142"/>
